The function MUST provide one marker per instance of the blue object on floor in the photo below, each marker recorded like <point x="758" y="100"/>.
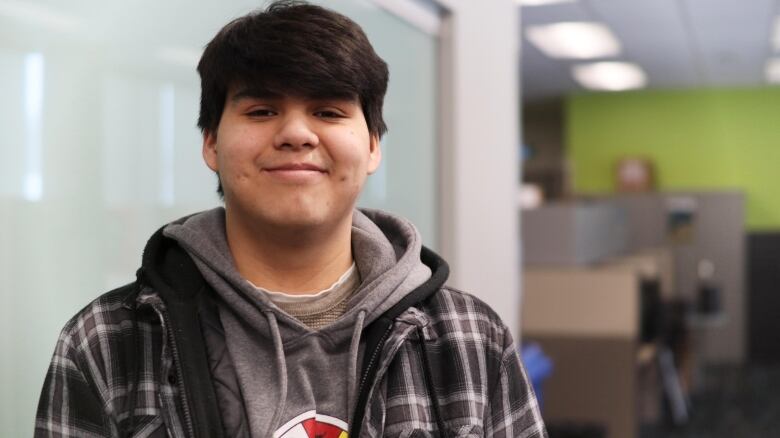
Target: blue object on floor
<point x="537" y="366"/>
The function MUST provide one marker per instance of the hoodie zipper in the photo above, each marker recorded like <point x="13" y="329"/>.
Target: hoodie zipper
<point x="364" y="379"/>
<point x="180" y="376"/>
<point x="372" y="362"/>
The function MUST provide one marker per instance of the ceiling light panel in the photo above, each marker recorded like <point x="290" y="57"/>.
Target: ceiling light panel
<point x="574" y="40"/>
<point x="609" y="76"/>
<point x="542" y="2"/>
<point x="772" y="71"/>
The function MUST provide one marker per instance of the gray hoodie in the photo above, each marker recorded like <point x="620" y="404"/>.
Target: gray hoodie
<point x="291" y="377"/>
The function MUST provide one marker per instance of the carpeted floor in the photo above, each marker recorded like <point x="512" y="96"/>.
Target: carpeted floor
<point x="732" y="403"/>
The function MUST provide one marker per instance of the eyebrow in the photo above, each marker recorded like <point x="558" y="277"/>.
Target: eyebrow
<point x="254" y="93"/>
<point x="265" y="94"/>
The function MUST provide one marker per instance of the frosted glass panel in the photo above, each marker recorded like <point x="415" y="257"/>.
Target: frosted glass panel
<point x="100" y="148"/>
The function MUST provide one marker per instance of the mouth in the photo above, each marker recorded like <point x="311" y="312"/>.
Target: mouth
<point x="294" y="167"/>
<point x="296" y="173"/>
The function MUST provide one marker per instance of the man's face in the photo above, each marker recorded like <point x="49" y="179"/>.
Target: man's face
<point x="292" y="162"/>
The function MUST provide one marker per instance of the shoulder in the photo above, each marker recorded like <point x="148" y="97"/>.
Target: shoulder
<point x="450" y="299"/>
<point x="106" y="317"/>
<point x="450" y="303"/>
<point x="452" y="313"/>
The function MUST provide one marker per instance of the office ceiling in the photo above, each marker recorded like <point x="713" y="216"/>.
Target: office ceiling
<point x="678" y="43"/>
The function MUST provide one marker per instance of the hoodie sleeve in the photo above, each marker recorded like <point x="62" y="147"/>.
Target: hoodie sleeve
<point x="513" y="410"/>
<point x="70" y="405"/>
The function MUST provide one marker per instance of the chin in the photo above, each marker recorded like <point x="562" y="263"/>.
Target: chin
<point x="301" y="222"/>
<point x="293" y="212"/>
<point x="292" y="217"/>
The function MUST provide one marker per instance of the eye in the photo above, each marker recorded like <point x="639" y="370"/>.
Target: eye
<point x="328" y="114"/>
<point x="261" y="112"/>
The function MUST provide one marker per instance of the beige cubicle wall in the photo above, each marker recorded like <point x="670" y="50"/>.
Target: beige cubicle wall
<point x="592" y="302"/>
<point x="591" y="230"/>
<point x="587" y="319"/>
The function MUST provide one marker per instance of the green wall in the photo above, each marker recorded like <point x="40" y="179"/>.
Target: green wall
<point x="698" y="139"/>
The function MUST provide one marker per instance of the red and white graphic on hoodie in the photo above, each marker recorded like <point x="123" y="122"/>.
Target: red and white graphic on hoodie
<point x="313" y="425"/>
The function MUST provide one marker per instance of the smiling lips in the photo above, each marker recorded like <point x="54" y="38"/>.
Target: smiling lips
<point x="295" y="167"/>
<point x="296" y="172"/>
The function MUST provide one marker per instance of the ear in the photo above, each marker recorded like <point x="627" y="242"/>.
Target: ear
<point x="210" y="149"/>
<point x="375" y="154"/>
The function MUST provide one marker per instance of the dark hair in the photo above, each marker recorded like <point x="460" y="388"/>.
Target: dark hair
<point x="292" y="48"/>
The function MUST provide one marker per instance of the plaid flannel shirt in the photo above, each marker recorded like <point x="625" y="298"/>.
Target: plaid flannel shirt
<point x="478" y="380"/>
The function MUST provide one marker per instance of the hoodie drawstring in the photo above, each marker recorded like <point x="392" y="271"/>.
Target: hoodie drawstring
<point x="428" y="375"/>
<point x="353" y="359"/>
<point x="281" y="366"/>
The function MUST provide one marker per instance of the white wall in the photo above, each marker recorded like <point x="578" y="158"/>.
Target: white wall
<point x="480" y="171"/>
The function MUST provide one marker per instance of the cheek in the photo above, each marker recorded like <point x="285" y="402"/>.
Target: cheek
<point x="351" y="155"/>
<point x="237" y="157"/>
<point x="352" y="168"/>
<point x="239" y="149"/>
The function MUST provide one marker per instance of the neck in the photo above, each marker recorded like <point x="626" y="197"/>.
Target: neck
<point x="290" y="261"/>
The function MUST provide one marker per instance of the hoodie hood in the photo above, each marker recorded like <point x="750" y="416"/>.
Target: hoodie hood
<point x="386" y="249"/>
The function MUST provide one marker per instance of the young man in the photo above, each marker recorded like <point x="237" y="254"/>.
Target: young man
<point x="288" y="313"/>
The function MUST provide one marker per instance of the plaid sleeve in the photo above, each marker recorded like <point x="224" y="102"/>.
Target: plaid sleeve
<point x="513" y="411"/>
<point x="70" y="405"/>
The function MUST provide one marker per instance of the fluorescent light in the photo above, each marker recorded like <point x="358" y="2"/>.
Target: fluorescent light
<point x="33" y="112"/>
<point x="776" y="34"/>
<point x="772" y="71"/>
<point x="542" y="2"/>
<point x="574" y="40"/>
<point x="609" y="76"/>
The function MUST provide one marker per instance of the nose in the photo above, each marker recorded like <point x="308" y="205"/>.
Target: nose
<point x="295" y="133"/>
